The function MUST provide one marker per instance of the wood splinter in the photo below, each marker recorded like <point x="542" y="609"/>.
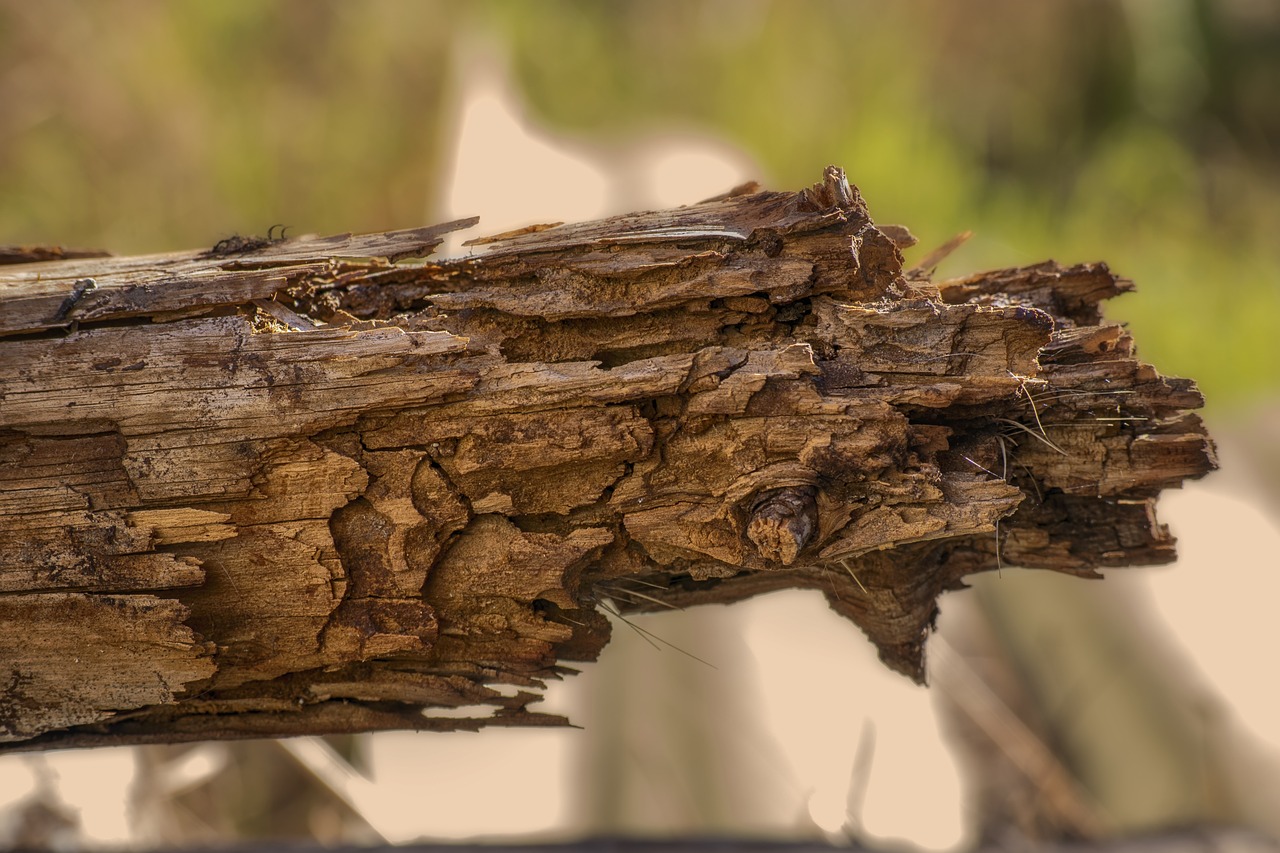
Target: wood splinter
<point x="331" y="485"/>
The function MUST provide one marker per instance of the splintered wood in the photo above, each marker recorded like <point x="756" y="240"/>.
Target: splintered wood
<point x="308" y="486"/>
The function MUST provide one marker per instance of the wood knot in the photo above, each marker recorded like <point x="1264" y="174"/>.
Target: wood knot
<point x="782" y="522"/>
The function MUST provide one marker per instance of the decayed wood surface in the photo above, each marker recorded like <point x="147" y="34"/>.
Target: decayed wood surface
<point x="308" y="486"/>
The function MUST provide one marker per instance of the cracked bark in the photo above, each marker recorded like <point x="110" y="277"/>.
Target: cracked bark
<point x="325" y="485"/>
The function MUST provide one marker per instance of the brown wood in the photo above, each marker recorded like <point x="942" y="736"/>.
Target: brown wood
<point x="316" y="485"/>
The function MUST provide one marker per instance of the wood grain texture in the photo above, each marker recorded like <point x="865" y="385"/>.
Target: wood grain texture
<point x="328" y="485"/>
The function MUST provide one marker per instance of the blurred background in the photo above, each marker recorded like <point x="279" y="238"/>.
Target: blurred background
<point x="1145" y="133"/>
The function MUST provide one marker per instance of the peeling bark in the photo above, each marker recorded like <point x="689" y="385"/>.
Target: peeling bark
<point x="325" y="485"/>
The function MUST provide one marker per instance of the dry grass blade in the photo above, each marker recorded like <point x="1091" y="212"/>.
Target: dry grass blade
<point x="929" y="262"/>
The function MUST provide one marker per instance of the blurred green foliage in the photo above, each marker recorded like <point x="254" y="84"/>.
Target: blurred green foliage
<point x="1142" y="132"/>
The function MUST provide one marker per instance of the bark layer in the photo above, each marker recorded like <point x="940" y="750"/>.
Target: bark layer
<point x="325" y="485"/>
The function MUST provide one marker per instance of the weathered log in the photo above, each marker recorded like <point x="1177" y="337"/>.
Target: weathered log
<point x="317" y="485"/>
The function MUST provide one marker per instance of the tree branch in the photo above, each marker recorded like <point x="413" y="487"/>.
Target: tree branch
<point x="298" y="487"/>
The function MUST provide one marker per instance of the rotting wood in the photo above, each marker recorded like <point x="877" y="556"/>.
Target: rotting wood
<point x="326" y="485"/>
